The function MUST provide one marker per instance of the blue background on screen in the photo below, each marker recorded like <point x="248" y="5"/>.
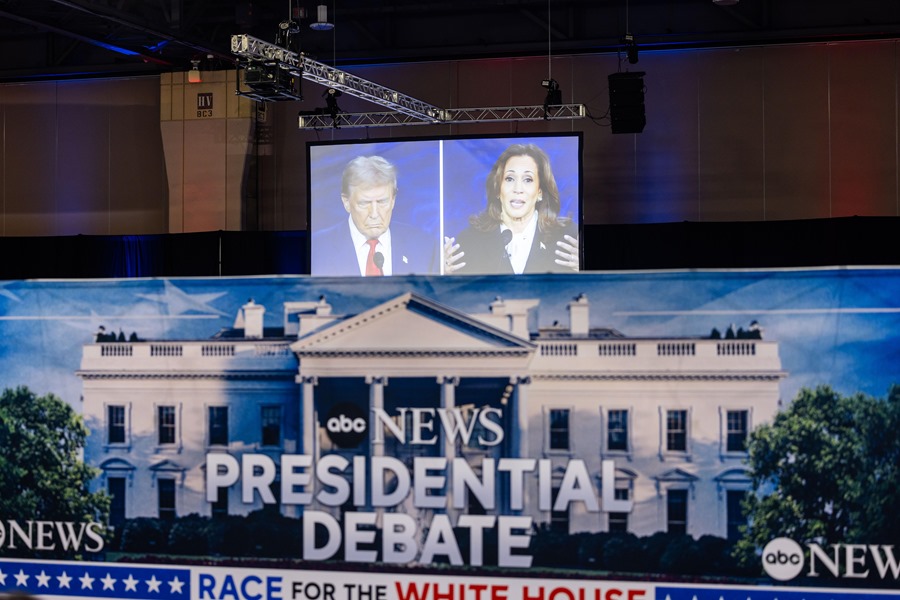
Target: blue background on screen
<point x="467" y="163"/>
<point x="418" y="182"/>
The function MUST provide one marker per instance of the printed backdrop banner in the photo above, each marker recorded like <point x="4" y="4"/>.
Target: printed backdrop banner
<point x="560" y="437"/>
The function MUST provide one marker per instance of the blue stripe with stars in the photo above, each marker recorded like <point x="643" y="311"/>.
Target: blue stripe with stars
<point x="724" y="593"/>
<point x="97" y="580"/>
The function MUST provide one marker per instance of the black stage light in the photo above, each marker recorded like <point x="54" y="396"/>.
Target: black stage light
<point x="331" y="95"/>
<point x="631" y="49"/>
<point x="554" y="94"/>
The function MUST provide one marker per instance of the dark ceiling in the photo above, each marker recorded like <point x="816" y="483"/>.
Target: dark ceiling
<point x="42" y="39"/>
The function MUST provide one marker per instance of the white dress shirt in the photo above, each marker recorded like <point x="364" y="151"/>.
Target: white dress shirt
<point x="360" y="243"/>
<point x="519" y="247"/>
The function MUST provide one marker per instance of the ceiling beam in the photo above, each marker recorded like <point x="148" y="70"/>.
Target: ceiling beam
<point x="83" y="38"/>
<point x="162" y="35"/>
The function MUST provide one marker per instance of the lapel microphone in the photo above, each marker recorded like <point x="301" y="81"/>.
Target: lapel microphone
<point x="505" y="238"/>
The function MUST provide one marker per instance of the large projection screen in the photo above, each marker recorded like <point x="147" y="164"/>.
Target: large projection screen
<point x="453" y="197"/>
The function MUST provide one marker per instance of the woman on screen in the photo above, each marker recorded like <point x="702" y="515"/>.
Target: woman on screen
<point x="520" y="230"/>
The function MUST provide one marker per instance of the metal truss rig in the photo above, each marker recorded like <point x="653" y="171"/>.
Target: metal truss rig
<point x="404" y="110"/>
<point x="251" y="48"/>
<point x="449" y="116"/>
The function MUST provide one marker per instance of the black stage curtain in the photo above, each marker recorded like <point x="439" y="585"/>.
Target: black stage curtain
<point x="175" y="255"/>
<point x="858" y="241"/>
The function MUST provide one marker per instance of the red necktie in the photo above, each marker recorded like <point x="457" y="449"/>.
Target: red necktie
<point x="371" y="267"/>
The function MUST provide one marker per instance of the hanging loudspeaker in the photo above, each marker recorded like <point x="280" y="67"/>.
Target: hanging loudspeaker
<point x="626" y="102"/>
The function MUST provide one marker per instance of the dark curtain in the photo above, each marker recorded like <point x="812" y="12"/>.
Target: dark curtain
<point x="858" y="241"/>
<point x="177" y="255"/>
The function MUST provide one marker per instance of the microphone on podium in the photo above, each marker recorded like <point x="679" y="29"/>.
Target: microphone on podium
<point x="379" y="262"/>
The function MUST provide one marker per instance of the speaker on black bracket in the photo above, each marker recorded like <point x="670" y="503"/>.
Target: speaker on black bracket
<point x="626" y="102"/>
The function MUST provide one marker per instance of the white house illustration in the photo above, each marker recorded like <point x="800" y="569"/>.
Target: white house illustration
<point x="672" y="415"/>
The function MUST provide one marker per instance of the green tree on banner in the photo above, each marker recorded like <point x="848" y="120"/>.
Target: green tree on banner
<point x="827" y="470"/>
<point x="42" y="475"/>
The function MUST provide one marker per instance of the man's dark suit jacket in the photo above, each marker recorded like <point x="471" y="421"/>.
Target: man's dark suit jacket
<point x="486" y="252"/>
<point x="413" y="251"/>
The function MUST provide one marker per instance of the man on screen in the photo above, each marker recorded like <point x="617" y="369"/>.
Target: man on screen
<point x="370" y="243"/>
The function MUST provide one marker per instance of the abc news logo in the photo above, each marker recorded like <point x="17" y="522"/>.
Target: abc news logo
<point x="346" y="425"/>
<point x="783" y="559"/>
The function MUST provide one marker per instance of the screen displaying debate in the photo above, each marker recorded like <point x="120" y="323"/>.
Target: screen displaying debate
<point x="451" y="206"/>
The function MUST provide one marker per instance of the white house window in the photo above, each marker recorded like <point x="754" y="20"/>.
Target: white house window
<point x="115" y="424"/>
<point x="559" y="429"/>
<point x="167" y="424"/>
<point x="617" y="430"/>
<point x="734" y="513"/>
<point x="166" y="499"/>
<point x="271" y="425"/>
<point x="736" y="430"/>
<point x="676" y="511"/>
<point x="733" y="486"/>
<point x="115" y="487"/>
<point x="676" y="430"/>
<point x="218" y="425"/>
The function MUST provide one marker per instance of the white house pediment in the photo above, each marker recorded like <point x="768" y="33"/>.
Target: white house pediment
<point x="733" y="476"/>
<point x="621" y="475"/>
<point x="410" y="323"/>
<point x="116" y="464"/>
<point x="167" y="466"/>
<point x="626" y="474"/>
<point x="677" y="475"/>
